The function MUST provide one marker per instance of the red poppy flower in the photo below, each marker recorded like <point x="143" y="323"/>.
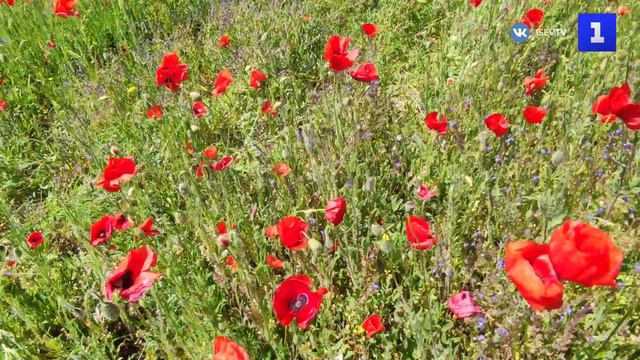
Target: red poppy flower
<point x="35" y="239"/>
<point x="533" y="18"/>
<point x="224" y="163"/>
<point x="462" y="305"/>
<point x="122" y="222"/>
<point x="223" y="80"/>
<point x="101" y="230"/>
<point x="618" y="104"/>
<point x="226" y="349"/>
<point x="281" y="170"/>
<point x="538" y="81"/>
<point x="268" y="109"/>
<point x="271" y="232"/>
<point x="117" y="171"/>
<point x="198" y="109"/>
<point x="3" y="105"/>
<point x="224" y="40"/>
<point x="292" y="231"/>
<point x="371" y="30"/>
<point x="475" y="3"/>
<point x="418" y="233"/>
<point x="231" y="262"/>
<point x="623" y="10"/>
<point x="424" y="193"/>
<point x="274" y="262"/>
<point x="200" y="169"/>
<point x="365" y="73"/>
<point x="154" y="112"/>
<point x="256" y="78"/>
<point x="9" y="2"/>
<point x="373" y="325"/>
<point x="132" y="276"/>
<point x="66" y="8"/>
<point x="171" y="72"/>
<point x="534" y="114"/>
<point x="52" y="44"/>
<point x="528" y="265"/>
<point x="147" y="228"/>
<point x="497" y="123"/>
<point x="584" y="254"/>
<point x="336" y="54"/>
<point x="335" y="210"/>
<point x="434" y="124"/>
<point x="293" y="299"/>
<point x="211" y="152"/>
<point x="630" y="114"/>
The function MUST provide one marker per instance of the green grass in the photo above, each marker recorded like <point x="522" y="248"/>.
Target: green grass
<point x="67" y="106"/>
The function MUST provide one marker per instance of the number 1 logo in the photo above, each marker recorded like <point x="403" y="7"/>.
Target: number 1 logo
<point x="596" y="32"/>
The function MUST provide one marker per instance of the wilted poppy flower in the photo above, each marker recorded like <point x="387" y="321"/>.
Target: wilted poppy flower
<point x="231" y="262"/>
<point x="171" y="72"/>
<point x="292" y="231"/>
<point x="373" y="325"/>
<point x="66" y="8"/>
<point x="334" y="211"/>
<point x="9" y="2"/>
<point x="434" y="124"/>
<point x="538" y="81"/>
<point x="534" y="114"/>
<point x="371" y="30"/>
<point x="198" y="109"/>
<point x="584" y="254"/>
<point x="281" y="169"/>
<point x="293" y="299"/>
<point x="271" y="232"/>
<point x="101" y="230"/>
<point x="623" y="10"/>
<point x="268" y="109"/>
<point x="224" y="163"/>
<point x="132" y="276"/>
<point x="122" y="222"/>
<point x="475" y="3"/>
<point x="226" y="349"/>
<point x="211" y="152"/>
<point x="528" y="265"/>
<point x="418" y="233"/>
<point x="533" y="18"/>
<point x="256" y="78"/>
<point x="462" y="305"/>
<point x="224" y="40"/>
<point x="424" y="193"/>
<point x="497" y="123"/>
<point x="200" y="169"/>
<point x="155" y="112"/>
<point x="336" y="54"/>
<point x="117" y="171"/>
<point x="274" y="262"/>
<point x="35" y="239"/>
<point x="52" y="44"/>
<point x="365" y="73"/>
<point x="3" y="105"/>
<point x="147" y="228"/>
<point x="223" y="80"/>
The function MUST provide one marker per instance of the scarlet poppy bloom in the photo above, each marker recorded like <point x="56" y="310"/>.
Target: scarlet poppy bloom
<point x="293" y="299"/>
<point x="171" y="72"/>
<point x="9" y="2"/>
<point x="231" y="262"/>
<point x="584" y="254"/>
<point x="623" y="10"/>
<point x="3" y="105"/>
<point x="533" y="18"/>
<point x="101" y="230"/>
<point x="365" y="73"/>
<point x="538" y="81"/>
<point x="154" y="112"/>
<point x="630" y="114"/>
<point x="198" y="109"/>
<point x="475" y="3"/>
<point x="224" y="163"/>
<point x="281" y="170"/>
<point x="618" y="104"/>
<point x="373" y="325"/>
<point x="274" y="262"/>
<point x="211" y="152"/>
<point x="147" y="228"/>
<point x="271" y="231"/>
<point x="199" y="170"/>
<point x="371" y="30"/>
<point x="335" y="210"/>
<point x="224" y="40"/>
<point x="66" y="8"/>
<point x="424" y="193"/>
<point x="434" y="124"/>
<point x="226" y="349"/>
<point x="534" y="114"/>
<point x="497" y="123"/>
<point x="52" y="44"/>
<point x="418" y="233"/>
<point x="122" y="222"/>
<point x="132" y="276"/>
<point x="336" y="54"/>
<point x="292" y="231"/>
<point x="462" y="305"/>
<point x="268" y="109"/>
<point x="223" y="235"/>
<point x="528" y="265"/>
<point x="117" y="171"/>
<point x="223" y="80"/>
<point x="35" y="239"/>
<point x="256" y="78"/>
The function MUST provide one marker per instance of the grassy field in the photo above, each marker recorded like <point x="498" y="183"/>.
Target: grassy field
<point x="73" y="104"/>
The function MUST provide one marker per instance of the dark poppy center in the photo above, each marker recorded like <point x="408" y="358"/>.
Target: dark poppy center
<point x="124" y="282"/>
<point x="102" y="234"/>
<point x="301" y="301"/>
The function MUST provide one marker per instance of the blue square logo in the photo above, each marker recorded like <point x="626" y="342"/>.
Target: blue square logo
<point x="596" y="32"/>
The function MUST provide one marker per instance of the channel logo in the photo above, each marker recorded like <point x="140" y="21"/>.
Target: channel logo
<point x="596" y="32"/>
<point x="520" y="32"/>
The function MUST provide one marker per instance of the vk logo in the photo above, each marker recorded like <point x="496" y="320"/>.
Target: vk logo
<point x="596" y="32"/>
<point x="520" y="32"/>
